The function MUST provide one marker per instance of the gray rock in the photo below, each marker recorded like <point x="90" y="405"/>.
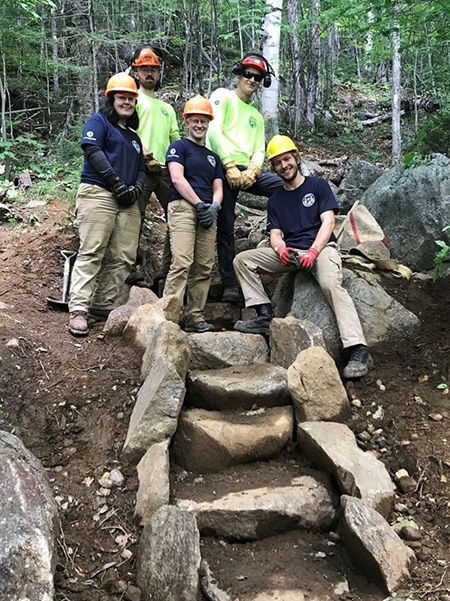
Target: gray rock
<point x="289" y="336"/>
<point x="332" y="447"/>
<point x="29" y="525"/>
<point x="311" y="169"/>
<point x="240" y="386"/>
<point x="383" y="319"/>
<point x="412" y="205"/>
<point x="154" y="487"/>
<point x="143" y="324"/>
<point x="214" y="350"/>
<point x="155" y="414"/>
<point x="169" y="556"/>
<point x="316" y="388"/>
<point x="210" y="441"/>
<point x="309" y="504"/>
<point x="373" y="545"/>
<point x="118" y="318"/>
<point x="169" y="342"/>
<point x="209" y="588"/>
<point x="222" y="315"/>
<point x="359" y="178"/>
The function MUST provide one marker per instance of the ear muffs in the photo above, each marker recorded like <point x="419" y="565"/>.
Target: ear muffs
<point x="267" y="81"/>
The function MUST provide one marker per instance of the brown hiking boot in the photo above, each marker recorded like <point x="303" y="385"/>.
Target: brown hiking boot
<point x="78" y="325"/>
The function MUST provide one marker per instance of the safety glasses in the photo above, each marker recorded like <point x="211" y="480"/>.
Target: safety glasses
<point x="256" y="76"/>
<point x="122" y="98"/>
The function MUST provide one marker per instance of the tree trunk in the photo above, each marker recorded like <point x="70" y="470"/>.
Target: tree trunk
<point x="94" y="58"/>
<point x="313" y="63"/>
<point x="299" y="76"/>
<point x="55" y="57"/>
<point x="271" y="51"/>
<point x="330" y="61"/>
<point x="396" y="81"/>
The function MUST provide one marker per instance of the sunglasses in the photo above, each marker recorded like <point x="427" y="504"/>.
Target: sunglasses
<point x="256" y="76"/>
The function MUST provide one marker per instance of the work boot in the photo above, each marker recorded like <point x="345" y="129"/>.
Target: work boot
<point x="231" y="294"/>
<point x="199" y="327"/>
<point x="358" y="364"/>
<point x="258" y="325"/>
<point x="158" y="284"/>
<point x="78" y="325"/>
<point x="98" y="315"/>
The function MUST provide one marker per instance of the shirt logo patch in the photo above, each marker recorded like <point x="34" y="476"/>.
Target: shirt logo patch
<point x="308" y="200"/>
<point x="164" y="111"/>
<point x="211" y="159"/>
<point x="173" y="151"/>
<point x="217" y="102"/>
<point x="136" y="146"/>
<point x="89" y="134"/>
<point x="252" y="122"/>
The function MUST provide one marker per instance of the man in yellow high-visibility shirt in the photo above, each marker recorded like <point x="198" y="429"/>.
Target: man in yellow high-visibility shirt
<point x="158" y="128"/>
<point x="237" y="136"/>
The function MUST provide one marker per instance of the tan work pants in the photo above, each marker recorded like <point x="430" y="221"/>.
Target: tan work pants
<point x="193" y="252"/>
<point x="158" y="183"/>
<point x="106" y="232"/>
<point x="327" y="270"/>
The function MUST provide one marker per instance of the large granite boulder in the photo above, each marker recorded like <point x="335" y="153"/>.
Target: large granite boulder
<point x="240" y="386"/>
<point x="118" y="318"/>
<point x="412" y="205"/>
<point x="374" y="546"/>
<point x="357" y="180"/>
<point x="214" y="350"/>
<point x="170" y="342"/>
<point x="383" y="319"/>
<point x="332" y="447"/>
<point x="29" y="525"/>
<point x="169" y="557"/>
<point x="289" y="336"/>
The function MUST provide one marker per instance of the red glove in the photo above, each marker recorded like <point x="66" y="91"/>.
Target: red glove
<point x="307" y="260"/>
<point x="286" y="255"/>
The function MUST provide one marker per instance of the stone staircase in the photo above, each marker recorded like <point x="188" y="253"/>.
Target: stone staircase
<point x="230" y="490"/>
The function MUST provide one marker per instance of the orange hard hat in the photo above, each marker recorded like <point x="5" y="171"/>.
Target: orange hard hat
<point x="255" y="61"/>
<point x="146" y="58"/>
<point x="198" y="105"/>
<point x="121" y="82"/>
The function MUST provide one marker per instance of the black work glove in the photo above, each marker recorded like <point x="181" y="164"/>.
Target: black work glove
<point x="122" y="193"/>
<point x="211" y="215"/>
<point x="203" y="213"/>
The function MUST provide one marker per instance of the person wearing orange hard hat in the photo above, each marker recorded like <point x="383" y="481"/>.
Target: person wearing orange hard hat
<point x="237" y="135"/>
<point x="301" y="220"/>
<point x="195" y="198"/>
<point x="158" y="127"/>
<point x="107" y="213"/>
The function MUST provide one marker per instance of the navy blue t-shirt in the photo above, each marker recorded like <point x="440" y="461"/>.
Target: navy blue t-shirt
<point x="122" y="148"/>
<point x="201" y="167"/>
<point x="297" y="212"/>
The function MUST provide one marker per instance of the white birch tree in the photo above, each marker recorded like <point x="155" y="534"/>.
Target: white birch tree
<point x="396" y="87"/>
<point x="271" y="51"/>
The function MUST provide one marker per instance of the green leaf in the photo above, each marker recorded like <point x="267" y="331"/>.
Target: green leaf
<point x="442" y="386"/>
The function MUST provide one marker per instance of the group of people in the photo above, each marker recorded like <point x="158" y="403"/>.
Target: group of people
<point x="132" y="148"/>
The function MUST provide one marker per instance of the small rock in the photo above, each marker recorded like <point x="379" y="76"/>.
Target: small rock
<point x="364" y="436"/>
<point x="381" y="386"/>
<point x="415" y="545"/>
<point x="357" y="403"/>
<point x="436" y="417"/>
<point x="58" y="469"/>
<point x="116" y="477"/>
<point x="334" y="537"/>
<point x="370" y="428"/>
<point x="105" y="481"/>
<point x="126" y="554"/>
<point x="360" y="426"/>
<point x="133" y="593"/>
<point x="104" y="492"/>
<point x="407" y="485"/>
<point x="120" y="415"/>
<point x="320" y="554"/>
<point x="401" y="508"/>
<point x="401" y="474"/>
<point x="410" y="534"/>
<point x="13" y="343"/>
<point x="414" y="436"/>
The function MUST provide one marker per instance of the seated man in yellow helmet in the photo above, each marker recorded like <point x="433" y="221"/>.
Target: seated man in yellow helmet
<point x="300" y="219"/>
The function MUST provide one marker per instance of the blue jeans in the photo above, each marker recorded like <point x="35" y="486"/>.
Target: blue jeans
<point x="266" y="184"/>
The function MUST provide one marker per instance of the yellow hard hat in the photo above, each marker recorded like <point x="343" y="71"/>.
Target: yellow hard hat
<point x="198" y="105"/>
<point x="278" y="145"/>
<point x="121" y="82"/>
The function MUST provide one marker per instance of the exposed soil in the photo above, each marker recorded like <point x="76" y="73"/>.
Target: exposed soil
<point x="70" y="401"/>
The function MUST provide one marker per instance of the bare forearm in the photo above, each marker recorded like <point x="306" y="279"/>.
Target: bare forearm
<point x="324" y="234"/>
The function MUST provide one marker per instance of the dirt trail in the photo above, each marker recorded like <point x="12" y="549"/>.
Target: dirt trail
<point x="70" y="401"/>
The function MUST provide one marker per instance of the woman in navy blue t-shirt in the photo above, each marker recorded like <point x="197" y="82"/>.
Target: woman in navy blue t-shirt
<point x="107" y="214"/>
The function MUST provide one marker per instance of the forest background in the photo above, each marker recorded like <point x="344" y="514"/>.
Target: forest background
<point x="56" y="56"/>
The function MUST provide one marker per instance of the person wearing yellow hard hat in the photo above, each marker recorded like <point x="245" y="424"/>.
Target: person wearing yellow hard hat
<point x="237" y="135"/>
<point x="195" y="198"/>
<point x="158" y="127"/>
<point x="107" y="213"/>
<point x="301" y="220"/>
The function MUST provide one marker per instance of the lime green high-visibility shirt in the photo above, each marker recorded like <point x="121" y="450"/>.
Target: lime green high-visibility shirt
<point x="158" y="126"/>
<point x="237" y="130"/>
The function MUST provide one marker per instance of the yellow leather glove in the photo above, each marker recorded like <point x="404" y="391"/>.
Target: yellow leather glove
<point x="153" y="166"/>
<point x="233" y="175"/>
<point x="249" y="176"/>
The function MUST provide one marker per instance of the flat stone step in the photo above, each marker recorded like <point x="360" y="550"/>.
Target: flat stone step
<point x="239" y="386"/>
<point x="210" y="441"/>
<point x="216" y="350"/>
<point x="309" y="502"/>
<point x="294" y="566"/>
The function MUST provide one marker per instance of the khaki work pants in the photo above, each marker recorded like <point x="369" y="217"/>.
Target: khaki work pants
<point x="327" y="270"/>
<point x="193" y="253"/>
<point x="158" y="183"/>
<point x="106" y="232"/>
